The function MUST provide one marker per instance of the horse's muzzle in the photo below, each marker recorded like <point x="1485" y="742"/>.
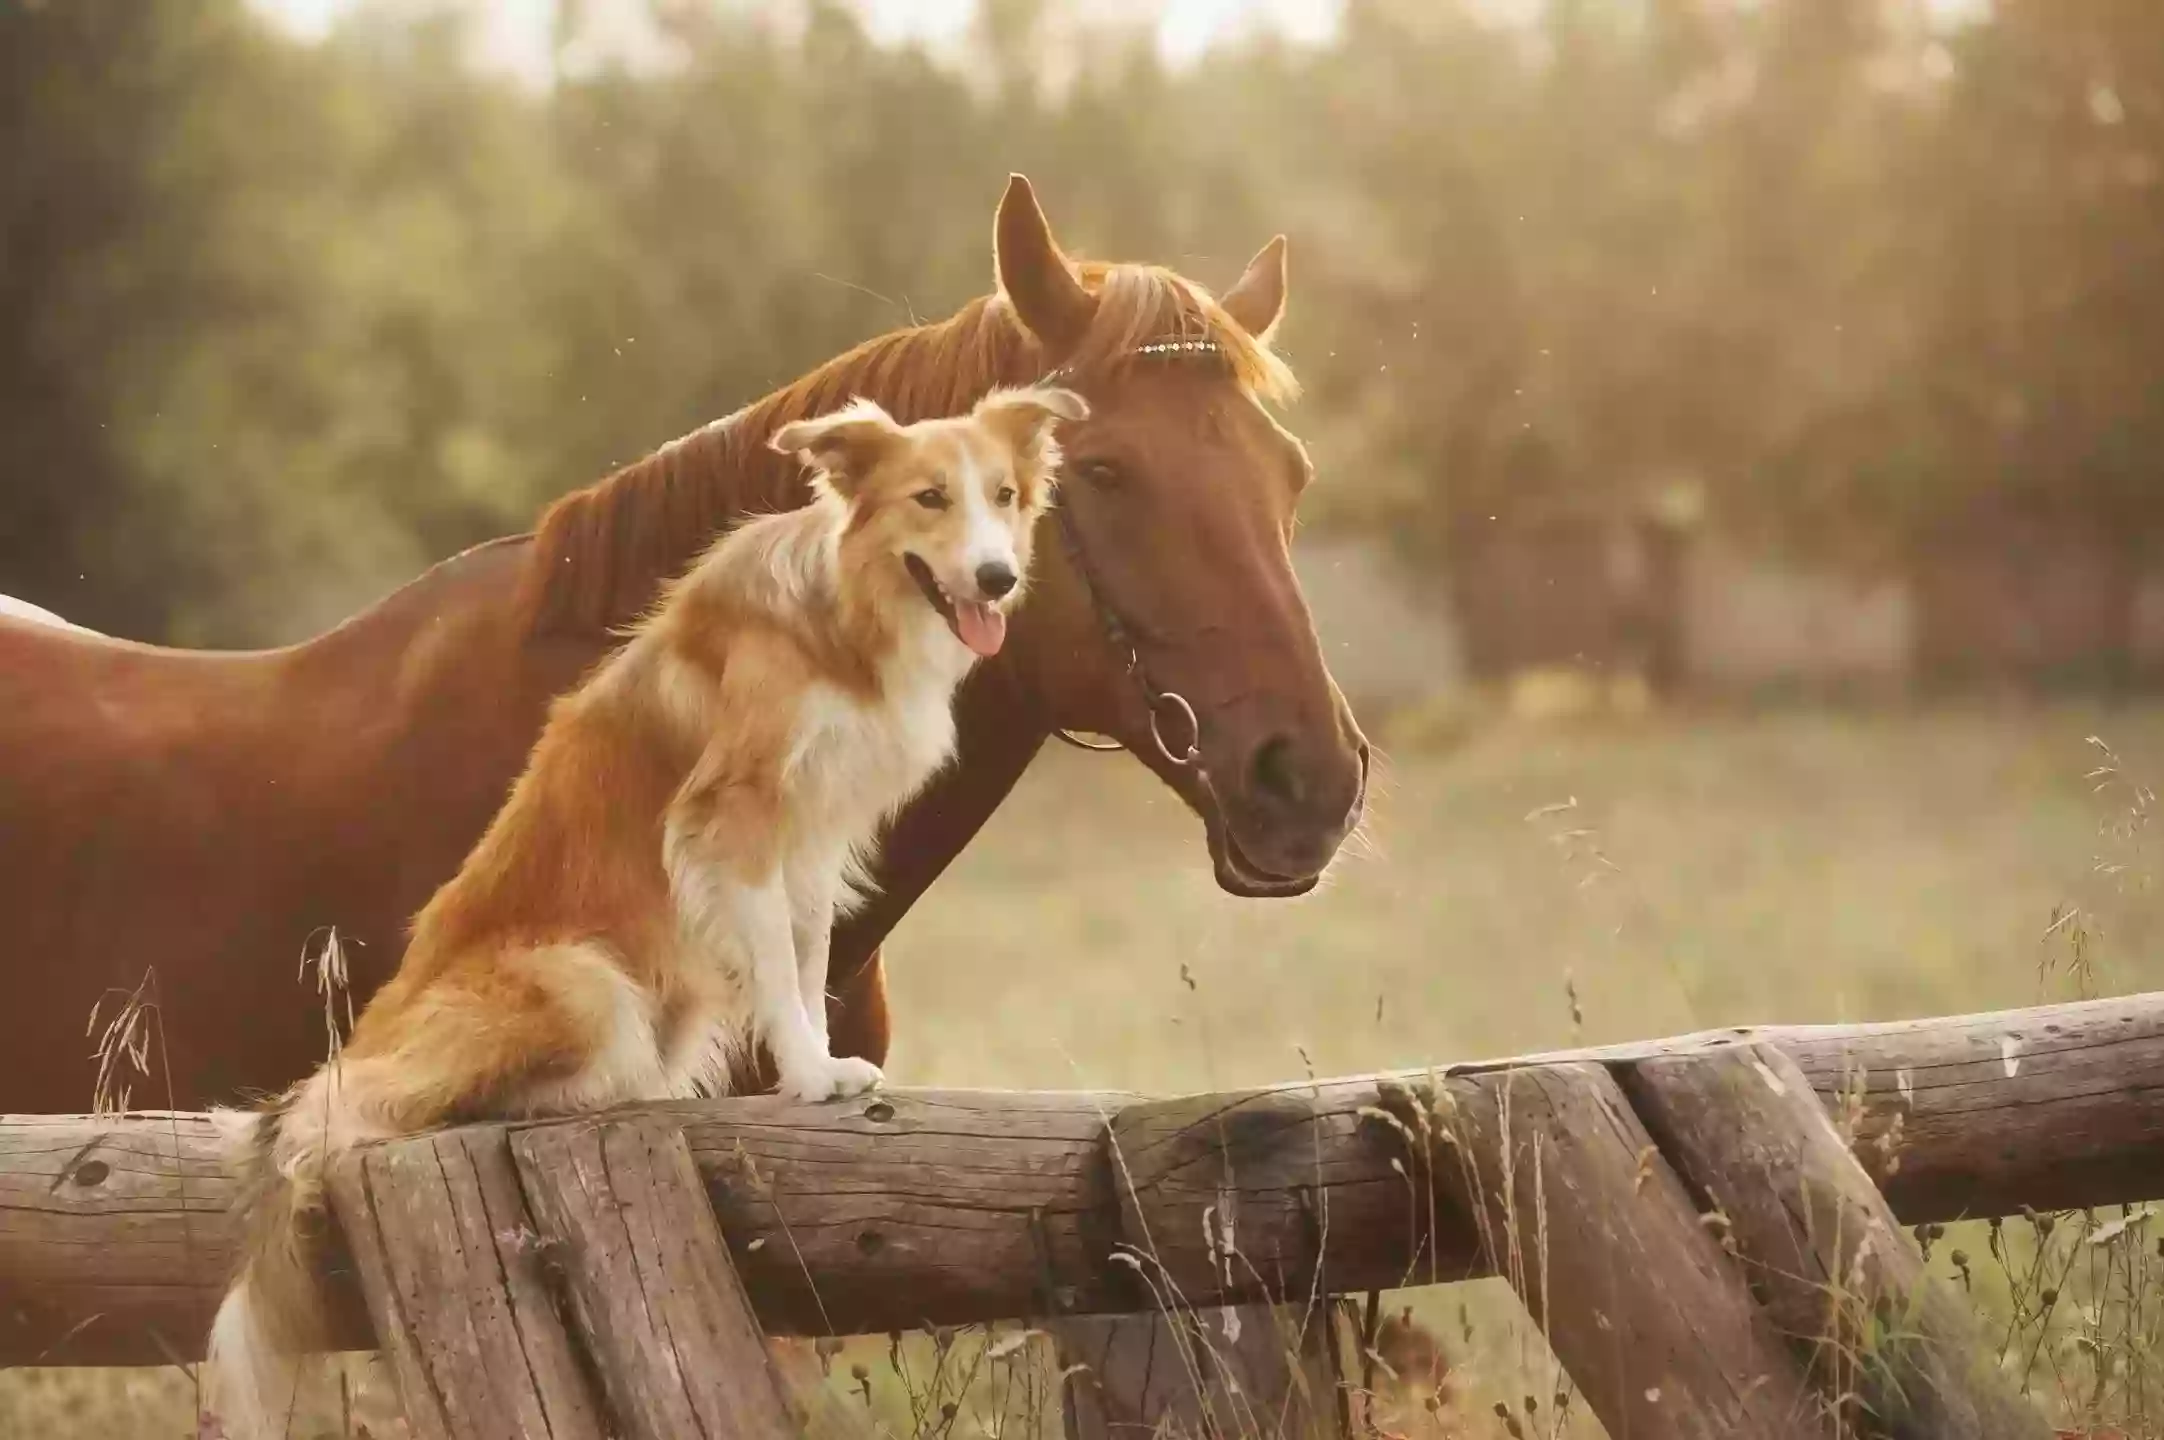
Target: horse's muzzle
<point x="1280" y="825"/>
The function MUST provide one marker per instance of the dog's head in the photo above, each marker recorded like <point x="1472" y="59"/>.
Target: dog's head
<point x="952" y="502"/>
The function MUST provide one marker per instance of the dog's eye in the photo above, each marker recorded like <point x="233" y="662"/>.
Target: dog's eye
<point x="932" y="499"/>
<point x="1005" y="495"/>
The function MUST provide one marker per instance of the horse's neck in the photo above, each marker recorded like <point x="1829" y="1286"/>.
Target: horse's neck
<point x="601" y="554"/>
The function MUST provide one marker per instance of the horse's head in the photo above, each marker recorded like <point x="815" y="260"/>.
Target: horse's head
<point x="1167" y="613"/>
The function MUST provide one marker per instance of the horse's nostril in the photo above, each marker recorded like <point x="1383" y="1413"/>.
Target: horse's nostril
<point x="995" y="579"/>
<point x="1275" y="773"/>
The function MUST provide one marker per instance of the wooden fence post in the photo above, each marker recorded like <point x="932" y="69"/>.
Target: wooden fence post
<point x="1241" y="1372"/>
<point x="1824" y="1249"/>
<point x="1576" y="1208"/>
<point x="1541" y="1175"/>
<point x="652" y="1290"/>
<point x="1233" y="1372"/>
<point x="453" y="1274"/>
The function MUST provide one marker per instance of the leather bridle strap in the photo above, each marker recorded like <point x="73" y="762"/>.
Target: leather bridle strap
<point x="1157" y="702"/>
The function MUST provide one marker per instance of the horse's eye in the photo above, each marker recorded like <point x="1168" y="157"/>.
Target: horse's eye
<point x="932" y="499"/>
<point x="1096" y="472"/>
<point x="1005" y="495"/>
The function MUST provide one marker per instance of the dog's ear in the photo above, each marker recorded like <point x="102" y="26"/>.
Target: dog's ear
<point x="1024" y="419"/>
<point x="844" y="445"/>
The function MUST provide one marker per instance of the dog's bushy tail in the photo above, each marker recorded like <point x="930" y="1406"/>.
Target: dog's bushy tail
<point x="272" y="1319"/>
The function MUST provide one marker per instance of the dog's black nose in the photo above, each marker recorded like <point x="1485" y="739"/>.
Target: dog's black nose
<point x="995" y="579"/>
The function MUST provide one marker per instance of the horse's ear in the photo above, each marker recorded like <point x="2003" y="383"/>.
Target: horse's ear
<point x="1034" y="276"/>
<point x="1257" y="299"/>
<point x="845" y="445"/>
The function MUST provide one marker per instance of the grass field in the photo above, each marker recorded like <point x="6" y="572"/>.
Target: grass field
<point x="1537" y="886"/>
<point x="1675" y="874"/>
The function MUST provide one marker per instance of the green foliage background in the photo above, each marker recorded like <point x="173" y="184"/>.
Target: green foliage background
<point x="282" y="322"/>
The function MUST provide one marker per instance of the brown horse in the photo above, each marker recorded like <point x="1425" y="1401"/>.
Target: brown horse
<point x="210" y="815"/>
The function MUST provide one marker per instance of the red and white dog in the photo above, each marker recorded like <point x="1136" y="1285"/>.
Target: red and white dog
<point x="658" y="890"/>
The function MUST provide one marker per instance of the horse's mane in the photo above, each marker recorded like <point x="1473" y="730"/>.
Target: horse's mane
<point x="601" y="554"/>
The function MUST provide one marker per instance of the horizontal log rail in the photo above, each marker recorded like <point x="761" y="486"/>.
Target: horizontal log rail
<point x="911" y="1207"/>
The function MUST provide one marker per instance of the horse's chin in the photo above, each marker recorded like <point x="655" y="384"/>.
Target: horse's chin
<point x="1234" y="879"/>
<point x="1239" y="876"/>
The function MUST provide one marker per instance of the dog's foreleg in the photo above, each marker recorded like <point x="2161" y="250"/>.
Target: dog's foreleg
<point x="778" y="984"/>
<point x="815" y="893"/>
<point x="814" y="884"/>
<point x="768" y="945"/>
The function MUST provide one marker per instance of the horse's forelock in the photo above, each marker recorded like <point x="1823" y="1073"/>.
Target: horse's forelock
<point x="1139" y="305"/>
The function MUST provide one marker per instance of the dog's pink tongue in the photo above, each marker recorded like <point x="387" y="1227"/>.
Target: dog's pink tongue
<point x="980" y="627"/>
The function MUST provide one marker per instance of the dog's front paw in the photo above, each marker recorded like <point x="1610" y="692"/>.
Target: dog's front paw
<point x="854" y="1077"/>
<point x="829" y="1078"/>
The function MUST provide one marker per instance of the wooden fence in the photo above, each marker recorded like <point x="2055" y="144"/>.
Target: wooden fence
<point x="1586" y="1178"/>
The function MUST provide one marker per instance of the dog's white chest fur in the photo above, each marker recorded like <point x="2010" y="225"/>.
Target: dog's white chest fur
<point x="860" y="759"/>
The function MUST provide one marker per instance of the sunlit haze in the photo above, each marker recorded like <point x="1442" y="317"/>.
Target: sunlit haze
<point x="514" y="35"/>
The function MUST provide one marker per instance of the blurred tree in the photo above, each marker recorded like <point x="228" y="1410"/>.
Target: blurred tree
<point x="268" y="350"/>
<point x="279" y="322"/>
<point x="108" y="220"/>
<point x="2042" y="388"/>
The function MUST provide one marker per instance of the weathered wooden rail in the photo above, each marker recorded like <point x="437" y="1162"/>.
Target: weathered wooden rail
<point x="915" y="1207"/>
